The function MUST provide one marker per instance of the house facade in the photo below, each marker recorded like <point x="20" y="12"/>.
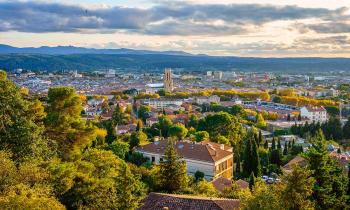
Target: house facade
<point x="314" y="113"/>
<point x="213" y="159"/>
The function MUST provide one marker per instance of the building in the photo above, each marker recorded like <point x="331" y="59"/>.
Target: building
<point x="207" y="100"/>
<point x="154" y="88"/>
<point x="217" y="75"/>
<point x="162" y="201"/>
<point x="168" y="81"/>
<point x="314" y="113"/>
<point x="163" y="102"/>
<point x="213" y="159"/>
<point x="110" y="73"/>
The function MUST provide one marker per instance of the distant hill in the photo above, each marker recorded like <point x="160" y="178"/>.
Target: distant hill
<point x="83" y="59"/>
<point x="67" y="50"/>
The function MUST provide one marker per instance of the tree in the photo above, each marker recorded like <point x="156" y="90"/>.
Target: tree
<point x="276" y="157"/>
<point x="172" y="172"/>
<point x="330" y="188"/>
<point x="139" y="125"/>
<point x="273" y="144"/>
<point x="164" y="124"/>
<point x="204" y="188"/>
<point x="251" y="181"/>
<point x="223" y="124"/>
<point x="285" y="149"/>
<point x="178" y="130"/>
<point x="137" y="138"/>
<point x="251" y="160"/>
<point x="238" y="166"/>
<point x="64" y="125"/>
<point x="238" y="110"/>
<point x="20" y="123"/>
<point x="346" y="129"/>
<point x="277" y="99"/>
<point x="223" y="140"/>
<point x="130" y="190"/>
<point x="260" y="138"/>
<point x="193" y="121"/>
<point x="299" y="117"/>
<point x="201" y="136"/>
<point x="143" y="112"/>
<point x="260" y="122"/>
<point x="266" y="144"/>
<point x="288" y="117"/>
<point x="198" y="175"/>
<point x="119" y="117"/>
<point x="119" y="148"/>
<point x="297" y="189"/>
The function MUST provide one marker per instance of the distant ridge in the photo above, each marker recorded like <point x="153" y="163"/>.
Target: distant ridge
<point x="68" y="50"/>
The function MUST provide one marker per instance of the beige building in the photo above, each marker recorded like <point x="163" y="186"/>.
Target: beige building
<point x="213" y="159"/>
<point x="168" y="81"/>
<point x="314" y="113"/>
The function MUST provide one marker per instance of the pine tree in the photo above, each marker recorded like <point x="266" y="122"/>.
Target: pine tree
<point x="330" y="188"/>
<point x="273" y="145"/>
<point x="266" y="144"/>
<point x="130" y="190"/>
<point x="238" y="166"/>
<point x="260" y="138"/>
<point x="279" y="146"/>
<point x="251" y="160"/>
<point x="251" y="181"/>
<point x="172" y="172"/>
<point x="285" y="149"/>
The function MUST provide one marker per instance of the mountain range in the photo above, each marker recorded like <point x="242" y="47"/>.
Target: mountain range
<point x="89" y="59"/>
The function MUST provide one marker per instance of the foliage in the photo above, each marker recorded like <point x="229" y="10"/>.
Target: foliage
<point x="198" y="175"/>
<point x="137" y="138"/>
<point x="204" y="188"/>
<point x="260" y="122"/>
<point x="172" y="173"/>
<point x="178" y="130"/>
<point x="251" y="159"/>
<point x="201" y="136"/>
<point x="119" y="148"/>
<point x="64" y="125"/>
<point x="20" y="123"/>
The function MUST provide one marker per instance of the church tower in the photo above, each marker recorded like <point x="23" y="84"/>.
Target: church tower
<point x="168" y="81"/>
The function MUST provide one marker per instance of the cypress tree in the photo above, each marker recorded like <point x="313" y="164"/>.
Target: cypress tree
<point x="260" y="138"/>
<point x="266" y="144"/>
<point x="251" y="181"/>
<point x="238" y="166"/>
<point x="285" y="149"/>
<point x="273" y="146"/>
<point x="251" y="160"/>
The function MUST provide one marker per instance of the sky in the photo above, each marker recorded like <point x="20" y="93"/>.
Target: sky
<point x="257" y="28"/>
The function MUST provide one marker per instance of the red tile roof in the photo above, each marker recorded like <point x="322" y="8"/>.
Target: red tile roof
<point x="202" y="152"/>
<point x="221" y="183"/>
<point x="160" y="201"/>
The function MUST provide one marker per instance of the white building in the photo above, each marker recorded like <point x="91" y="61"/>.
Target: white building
<point x="213" y="159"/>
<point x="207" y="100"/>
<point x="314" y="113"/>
<point x="217" y="75"/>
<point x="110" y="73"/>
<point x="162" y="102"/>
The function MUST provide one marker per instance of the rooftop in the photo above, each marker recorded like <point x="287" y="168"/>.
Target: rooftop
<point x="205" y="151"/>
<point x="160" y="201"/>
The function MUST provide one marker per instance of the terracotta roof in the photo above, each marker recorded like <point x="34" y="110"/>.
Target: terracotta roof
<point x="188" y="150"/>
<point x="221" y="183"/>
<point x="160" y="201"/>
<point x="216" y="145"/>
<point x="242" y="184"/>
<point x="297" y="160"/>
<point x="315" y="108"/>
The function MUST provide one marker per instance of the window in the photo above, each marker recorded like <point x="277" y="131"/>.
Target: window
<point x="161" y="159"/>
<point x="153" y="159"/>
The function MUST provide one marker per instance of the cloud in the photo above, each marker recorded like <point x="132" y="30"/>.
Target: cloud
<point x="174" y="19"/>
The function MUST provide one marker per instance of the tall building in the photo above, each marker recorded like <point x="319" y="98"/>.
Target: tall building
<point x="168" y="81"/>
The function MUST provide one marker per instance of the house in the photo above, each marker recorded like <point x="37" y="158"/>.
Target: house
<point x="213" y="159"/>
<point x="298" y="160"/>
<point x="162" y="201"/>
<point x="121" y="129"/>
<point x="207" y="100"/>
<point x="314" y="113"/>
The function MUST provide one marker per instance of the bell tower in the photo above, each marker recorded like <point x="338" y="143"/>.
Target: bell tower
<point x="168" y="80"/>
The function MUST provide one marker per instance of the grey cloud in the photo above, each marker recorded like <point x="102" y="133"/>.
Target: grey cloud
<point x="181" y="19"/>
